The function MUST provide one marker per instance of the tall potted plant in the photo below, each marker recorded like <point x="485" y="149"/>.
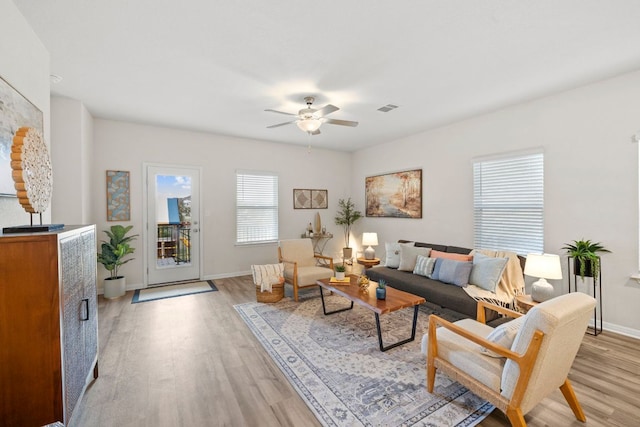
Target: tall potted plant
<point x="346" y="216"/>
<point x="585" y="257"/>
<point x="112" y="257"/>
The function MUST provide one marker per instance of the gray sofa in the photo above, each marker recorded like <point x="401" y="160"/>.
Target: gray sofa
<point x="444" y="295"/>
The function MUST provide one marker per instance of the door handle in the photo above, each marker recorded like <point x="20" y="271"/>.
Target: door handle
<point x="195" y="230"/>
<point x="86" y="309"/>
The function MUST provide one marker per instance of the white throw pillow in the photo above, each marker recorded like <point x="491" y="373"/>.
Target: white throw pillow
<point x="504" y="335"/>
<point x="409" y="255"/>
<point x="392" y="255"/>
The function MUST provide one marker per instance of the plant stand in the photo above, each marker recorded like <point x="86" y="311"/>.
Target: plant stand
<point x="597" y="312"/>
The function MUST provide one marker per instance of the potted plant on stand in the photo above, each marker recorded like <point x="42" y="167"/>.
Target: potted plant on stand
<point x="585" y="257"/>
<point x="346" y="216"/>
<point x="112" y="257"/>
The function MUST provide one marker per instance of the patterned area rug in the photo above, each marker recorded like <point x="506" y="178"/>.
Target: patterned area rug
<point x="336" y="366"/>
<point x="172" y="291"/>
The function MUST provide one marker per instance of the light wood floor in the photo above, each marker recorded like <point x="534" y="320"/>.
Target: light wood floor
<point x="191" y="361"/>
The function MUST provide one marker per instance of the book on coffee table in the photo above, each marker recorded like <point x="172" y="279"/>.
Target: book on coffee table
<point x="337" y="281"/>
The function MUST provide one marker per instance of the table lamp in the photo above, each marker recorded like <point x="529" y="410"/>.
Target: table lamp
<point x="369" y="239"/>
<point x="543" y="266"/>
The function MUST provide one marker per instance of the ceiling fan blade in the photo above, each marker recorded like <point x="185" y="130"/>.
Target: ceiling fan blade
<point x="341" y="122"/>
<point x="281" y="124"/>
<point x="280" y="112"/>
<point x="327" y="109"/>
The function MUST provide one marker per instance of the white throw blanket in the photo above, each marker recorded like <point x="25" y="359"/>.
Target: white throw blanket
<point x="511" y="283"/>
<point x="267" y="275"/>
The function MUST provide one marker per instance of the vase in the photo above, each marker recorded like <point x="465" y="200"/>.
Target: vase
<point x="340" y="275"/>
<point x="318" y="224"/>
<point x="588" y="267"/>
<point x="381" y="293"/>
<point x="347" y="253"/>
<point x="114" y="288"/>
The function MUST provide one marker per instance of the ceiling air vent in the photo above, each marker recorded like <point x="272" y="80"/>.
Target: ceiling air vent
<point x="387" y="108"/>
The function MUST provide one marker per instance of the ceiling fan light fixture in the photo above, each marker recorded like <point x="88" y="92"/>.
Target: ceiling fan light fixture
<point x="309" y="125"/>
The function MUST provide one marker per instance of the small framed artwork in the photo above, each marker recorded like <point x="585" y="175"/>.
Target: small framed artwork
<point x="301" y="199"/>
<point x="118" y="199"/>
<point x="395" y="195"/>
<point x="319" y="199"/>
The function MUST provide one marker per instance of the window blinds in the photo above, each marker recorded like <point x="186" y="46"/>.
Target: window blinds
<point x="508" y="203"/>
<point x="256" y="207"/>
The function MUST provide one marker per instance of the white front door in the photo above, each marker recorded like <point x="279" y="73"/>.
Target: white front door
<point x="173" y="223"/>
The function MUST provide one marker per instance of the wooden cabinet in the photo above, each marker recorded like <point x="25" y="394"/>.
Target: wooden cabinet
<point x="48" y="324"/>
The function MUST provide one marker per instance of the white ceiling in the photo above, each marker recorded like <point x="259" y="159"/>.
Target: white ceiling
<point x="214" y="66"/>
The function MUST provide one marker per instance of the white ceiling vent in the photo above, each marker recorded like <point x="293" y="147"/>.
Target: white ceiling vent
<point x="387" y="108"/>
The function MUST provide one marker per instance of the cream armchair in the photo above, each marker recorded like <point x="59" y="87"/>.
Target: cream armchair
<point x="523" y="373"/>
<point x="301" y="264"/>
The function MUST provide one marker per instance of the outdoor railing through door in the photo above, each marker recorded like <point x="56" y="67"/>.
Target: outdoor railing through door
<point x="174" y="241"/>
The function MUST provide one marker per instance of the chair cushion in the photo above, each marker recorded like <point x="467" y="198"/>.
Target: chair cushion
<point x="563" y="320"/>
<point x="465" y="355"/>
<point x="298" y="250"/>
<point x="308" y="276"/>
<point x="504" y="335"/>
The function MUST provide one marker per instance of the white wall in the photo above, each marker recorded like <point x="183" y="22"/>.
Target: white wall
<point x="126" y="146"/>
<point x="71" y="158"/>
<point x="24" y="63"/>
<point x="591" y="179"/>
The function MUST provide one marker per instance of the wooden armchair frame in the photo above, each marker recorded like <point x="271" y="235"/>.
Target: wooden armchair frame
<point x="525" y="361"/>
<point x="294" y="280"/>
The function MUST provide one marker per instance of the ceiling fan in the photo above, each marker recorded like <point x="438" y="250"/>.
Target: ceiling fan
<point x="309" y="119"/>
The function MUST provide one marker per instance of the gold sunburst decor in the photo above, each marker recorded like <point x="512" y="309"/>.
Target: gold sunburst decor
<point x="31" y="170"/>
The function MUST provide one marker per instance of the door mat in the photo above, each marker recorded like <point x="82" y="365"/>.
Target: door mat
<point x="172" y="291"/>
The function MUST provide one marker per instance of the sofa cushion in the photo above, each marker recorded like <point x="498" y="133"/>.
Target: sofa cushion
<point x="487" y="271"/>
<point x="435" y="292"/>
<point x="392" y="253"/>
<point x="450" y="255"/>
<point x="409" y="255"/>
<point x="424" y="266"/>
<point x="457" y="250"/>
<point x="452" y="271"/>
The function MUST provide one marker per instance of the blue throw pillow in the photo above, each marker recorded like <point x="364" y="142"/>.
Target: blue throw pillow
<point x="424" y="266"/>
<point x="452" y="271"/>
<point x="487" y="271"/>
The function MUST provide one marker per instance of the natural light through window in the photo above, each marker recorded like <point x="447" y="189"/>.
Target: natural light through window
<point x="508" y="202"/>
<point x="256" y="207"/>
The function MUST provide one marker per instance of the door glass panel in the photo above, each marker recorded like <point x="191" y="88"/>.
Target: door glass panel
<point x="173" y="220"/>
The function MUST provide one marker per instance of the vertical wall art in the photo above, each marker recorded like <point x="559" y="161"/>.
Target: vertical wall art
<point x="396" y="195"/>
<point x="15" y="112"/>
<point x="118" y="200"/>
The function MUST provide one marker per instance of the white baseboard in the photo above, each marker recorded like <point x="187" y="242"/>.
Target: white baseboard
<point x="622" y="330"/>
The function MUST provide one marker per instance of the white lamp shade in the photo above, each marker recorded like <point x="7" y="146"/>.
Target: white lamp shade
<point x="546" y="266"/>
<point x="369" y="239"/>
<point x="309" y="125"/>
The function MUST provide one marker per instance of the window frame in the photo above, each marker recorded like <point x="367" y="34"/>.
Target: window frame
<point x="272" y="210"/>
<point x="516" y="206"/>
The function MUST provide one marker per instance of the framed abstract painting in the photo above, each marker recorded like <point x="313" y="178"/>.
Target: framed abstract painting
<point x="394" y="195"/>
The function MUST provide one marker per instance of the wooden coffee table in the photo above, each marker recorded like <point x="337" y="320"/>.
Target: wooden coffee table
<point x="396" y="300"/>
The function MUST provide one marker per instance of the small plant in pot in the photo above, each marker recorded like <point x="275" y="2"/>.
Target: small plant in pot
<point x="112" y="256"/>
<point x="340" y="269"/>
<point x="381" y="290"/>
<point x="346" y="216"/>
<point x="585" y="257"/>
